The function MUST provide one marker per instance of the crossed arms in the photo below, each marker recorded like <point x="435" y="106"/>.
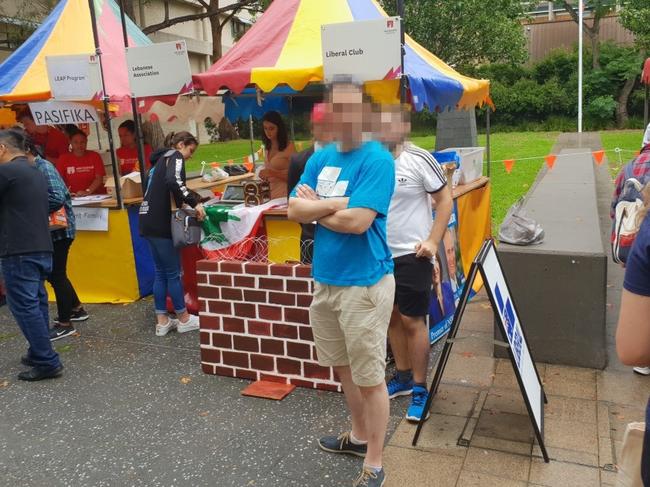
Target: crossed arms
<point x="332" y="213"/>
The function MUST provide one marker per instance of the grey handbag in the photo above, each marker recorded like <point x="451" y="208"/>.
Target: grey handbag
<point x="186" y="228"/>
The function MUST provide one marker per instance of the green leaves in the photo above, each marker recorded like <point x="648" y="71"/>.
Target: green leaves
<point x="635" y="17"/>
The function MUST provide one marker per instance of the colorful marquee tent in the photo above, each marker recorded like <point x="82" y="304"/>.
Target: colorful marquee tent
<point x="68" y="30"/>
<point x="284" y="48"/>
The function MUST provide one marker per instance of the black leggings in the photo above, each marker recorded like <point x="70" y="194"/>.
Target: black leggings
<point x="66" y="296"/>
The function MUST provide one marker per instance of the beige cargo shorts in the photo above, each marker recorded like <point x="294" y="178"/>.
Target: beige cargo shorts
<point x="350" y="325"/>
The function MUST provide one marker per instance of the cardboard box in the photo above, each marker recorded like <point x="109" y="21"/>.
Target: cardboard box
<point x="130" y="184"/>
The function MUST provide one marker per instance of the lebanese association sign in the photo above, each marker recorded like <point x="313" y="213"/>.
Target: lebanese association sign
<point x="62" y="113"/>
<point x="368" y="50"/>
<point x="75" y="77"/>
<point x="159" y="69"/>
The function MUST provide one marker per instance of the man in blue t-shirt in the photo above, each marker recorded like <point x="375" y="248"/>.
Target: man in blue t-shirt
<point x="346" y="188"/>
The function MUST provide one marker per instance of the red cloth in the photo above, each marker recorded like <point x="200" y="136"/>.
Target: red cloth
<point x="80" y="172"/>
<point x="129" y="159"/>
<point x="645" y="74"/>
<point x="54" y="143"/>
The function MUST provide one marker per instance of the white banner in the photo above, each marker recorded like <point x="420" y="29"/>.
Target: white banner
<point x="74" y="78"/>
<point x="368" y="50"/>
<point x="62" y="112"/>
<point x="496" y="281"/>
<point x="91" y="219"/>
<point x="159" y="69"/>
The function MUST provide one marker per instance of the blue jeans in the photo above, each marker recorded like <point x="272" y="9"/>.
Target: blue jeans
<point x="167" y="262"/>
<point x="24" y="277"/>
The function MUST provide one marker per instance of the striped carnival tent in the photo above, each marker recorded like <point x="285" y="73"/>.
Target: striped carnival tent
<point x="284" y="48"/>
<point x="68" y="30"/>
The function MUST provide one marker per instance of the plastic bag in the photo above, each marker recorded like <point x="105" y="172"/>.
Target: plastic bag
<point x="518" y="229"/>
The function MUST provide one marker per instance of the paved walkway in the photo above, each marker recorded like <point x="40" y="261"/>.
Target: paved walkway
<point x="479" y="405"/>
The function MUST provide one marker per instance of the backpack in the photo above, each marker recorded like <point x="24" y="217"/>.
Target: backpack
<point x="628" y="214"/>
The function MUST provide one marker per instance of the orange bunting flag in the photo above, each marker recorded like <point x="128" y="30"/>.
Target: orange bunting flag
<point x="248" y="164"/>
<point x="509" y="164"/>
<point x="230" y="162"/>
<point x="214" y="165"/>
<point x="299" y="145"/>
<point x="550" y="160"/>
<point x="598" y="156"/>
<point x="637" y="153"/>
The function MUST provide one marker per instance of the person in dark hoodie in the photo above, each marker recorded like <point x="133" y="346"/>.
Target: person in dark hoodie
<point x="166" y="180"/>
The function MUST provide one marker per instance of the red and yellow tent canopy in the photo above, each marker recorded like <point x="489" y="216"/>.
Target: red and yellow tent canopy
<point x="284" y="48"/>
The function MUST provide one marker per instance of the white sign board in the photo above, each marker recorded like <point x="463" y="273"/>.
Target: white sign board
<point x="508" y="316"/>
<point x="62" y="112"/>
<point x="369" y="50"/>
<point x="74" y="78"/>
<point x="159" y="69"/>
<point x="91" y="219"/>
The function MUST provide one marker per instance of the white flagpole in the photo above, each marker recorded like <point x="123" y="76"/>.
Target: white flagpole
<point x="580" y="20"/>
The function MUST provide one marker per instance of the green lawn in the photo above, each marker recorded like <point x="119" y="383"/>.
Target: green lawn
<point x="506" y="188"/>
<point x="630" y="140"/>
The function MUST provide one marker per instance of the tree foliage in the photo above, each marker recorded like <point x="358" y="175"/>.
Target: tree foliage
<point x="635" y="17"/>
<point x="467" y="32"/>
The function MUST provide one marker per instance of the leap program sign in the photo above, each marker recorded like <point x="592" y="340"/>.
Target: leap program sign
<point x="487" y="264"/>
<point x="74" y="78"/>
<point x="159" y="69"/>
<point x="369" y="50"/>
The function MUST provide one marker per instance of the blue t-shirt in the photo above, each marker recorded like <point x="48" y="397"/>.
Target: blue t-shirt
<point x="367" y="176"/>
<point x="637" y="268"/>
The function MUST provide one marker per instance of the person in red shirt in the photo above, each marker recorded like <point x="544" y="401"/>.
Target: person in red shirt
<point x="128" y="152"/>
<point x="52" y="141"/>
<point x="82" y="170"/>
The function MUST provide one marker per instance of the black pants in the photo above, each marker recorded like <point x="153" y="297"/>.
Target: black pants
<point x="66" y="296"/>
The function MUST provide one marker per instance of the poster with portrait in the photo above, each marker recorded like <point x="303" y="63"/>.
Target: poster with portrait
<point x="448" y="281"/>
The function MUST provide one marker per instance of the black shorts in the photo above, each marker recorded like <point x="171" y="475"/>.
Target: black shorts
<point x="413" y="282"/>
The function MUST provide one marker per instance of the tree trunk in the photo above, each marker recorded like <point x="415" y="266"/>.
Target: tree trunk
<point x="621" y="107"/>
<point x="594" y="35"/>
<point x="217" y="29"/>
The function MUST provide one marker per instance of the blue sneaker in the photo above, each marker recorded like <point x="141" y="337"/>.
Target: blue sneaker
<point x="370" y="478"/>
<point x="418" y="401"/>
<point x="397" y="388"/>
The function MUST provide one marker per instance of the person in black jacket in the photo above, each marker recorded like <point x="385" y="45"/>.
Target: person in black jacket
<point x="166" y="180"/>
<point x="297" y="165"/>
<point x="26" y="253"/>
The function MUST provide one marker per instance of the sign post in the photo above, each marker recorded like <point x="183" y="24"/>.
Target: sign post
<point x="488" y="266"/>
<point x="369" y="50"/>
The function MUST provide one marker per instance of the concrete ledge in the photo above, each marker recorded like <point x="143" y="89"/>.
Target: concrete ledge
<point x="560" y="286"/>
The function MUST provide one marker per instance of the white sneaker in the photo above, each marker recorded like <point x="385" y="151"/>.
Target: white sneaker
<point x="190" y="325"/>
<point x="162" y="330"/>
<point x="642" y="370"/>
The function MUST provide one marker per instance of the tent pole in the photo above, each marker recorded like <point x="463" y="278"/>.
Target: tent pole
<point x="250" y="133"/>
<point x="402" y="79"/>
<point x="487" y="140"/>
<point x="134" y="108"/>
<point x="645" y="105"/>
<point x="107" y="114"/>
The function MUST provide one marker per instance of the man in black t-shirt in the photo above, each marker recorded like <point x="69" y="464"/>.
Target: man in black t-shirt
<point x="26" y="253"/>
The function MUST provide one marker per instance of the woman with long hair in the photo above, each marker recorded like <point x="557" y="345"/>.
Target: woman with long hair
<point x="277" y="149"/>
<point x="128" y="150"/>
<point x="82" y="169"/>
<point x="167" y="183"/>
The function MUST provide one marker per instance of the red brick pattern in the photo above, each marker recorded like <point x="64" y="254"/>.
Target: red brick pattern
<point x="255" y="323"/>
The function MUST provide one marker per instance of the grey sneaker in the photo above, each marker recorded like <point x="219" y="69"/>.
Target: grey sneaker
<point x="370" y="478"/>
<point x="342" y="444"/>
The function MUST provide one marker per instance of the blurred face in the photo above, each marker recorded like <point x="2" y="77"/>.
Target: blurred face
<point x="127" y="138"/>
<point x="5" y="154"/>
<point x="186" y="150"/>
<point x="347" y="116"/>
<point x="78" y="144"/>
<point x="271" y="131"/>
<point x="436" y="271"/>
<point x="30" y="126"/>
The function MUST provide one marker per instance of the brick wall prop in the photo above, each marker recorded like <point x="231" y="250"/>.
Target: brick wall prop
<point x="255" y="323"/>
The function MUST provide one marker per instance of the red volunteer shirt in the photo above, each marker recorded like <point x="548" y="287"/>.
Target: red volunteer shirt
<point x="80" y="172"/>
<point x="54" y="143"/>
<point x="129" y="159"/>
